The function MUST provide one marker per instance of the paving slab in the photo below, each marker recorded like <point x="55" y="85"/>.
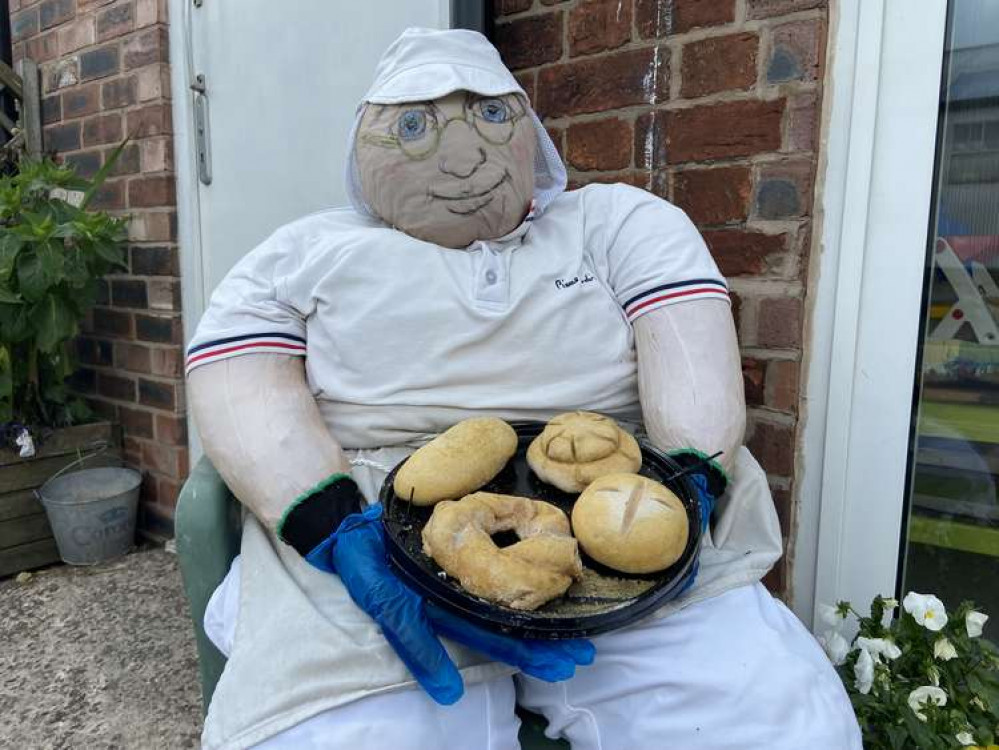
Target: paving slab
<point x="99" y="658"/>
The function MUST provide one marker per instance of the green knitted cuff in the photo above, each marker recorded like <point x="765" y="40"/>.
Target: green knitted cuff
<point x="718" y="479"/>
<point x="317" y="512"/>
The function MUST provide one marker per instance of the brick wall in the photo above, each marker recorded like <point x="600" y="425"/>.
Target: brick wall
<point x="713" y="105"/>
<point x="105" y="76"/>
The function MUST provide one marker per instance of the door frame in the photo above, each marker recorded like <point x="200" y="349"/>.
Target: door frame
<point x="876" y="177"/>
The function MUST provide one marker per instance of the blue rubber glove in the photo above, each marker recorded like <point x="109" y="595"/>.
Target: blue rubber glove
<point x="412" y="625"/>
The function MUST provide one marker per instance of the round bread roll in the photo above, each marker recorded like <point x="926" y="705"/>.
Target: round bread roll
<point x="630" y="523"/>
<point x="577" y="447"/>
<point x="525" y="575"/>
<point x="456" y="462"/>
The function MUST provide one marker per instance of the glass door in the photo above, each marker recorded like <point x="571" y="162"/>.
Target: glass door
<point x="951" y="526"/>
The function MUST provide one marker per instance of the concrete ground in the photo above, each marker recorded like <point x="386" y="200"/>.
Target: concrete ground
<point x="99" y="658"/>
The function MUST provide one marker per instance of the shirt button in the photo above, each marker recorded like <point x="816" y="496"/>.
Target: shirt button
<point x="490" y="277"/>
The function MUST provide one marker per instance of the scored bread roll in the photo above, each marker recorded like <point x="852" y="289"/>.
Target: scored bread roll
<point x="456" y="462"/>
<point x="577" y="447"/>
<point x="630" y="523"/>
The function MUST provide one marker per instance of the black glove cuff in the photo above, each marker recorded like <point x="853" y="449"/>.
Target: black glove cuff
<point x="319" y="512"/>
<point x="710" y="469"/>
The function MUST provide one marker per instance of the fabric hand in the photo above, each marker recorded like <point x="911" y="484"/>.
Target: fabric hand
<point x="413" y="626"/>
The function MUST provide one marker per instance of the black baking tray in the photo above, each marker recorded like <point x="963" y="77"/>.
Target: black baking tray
<point x="604" y="600"/>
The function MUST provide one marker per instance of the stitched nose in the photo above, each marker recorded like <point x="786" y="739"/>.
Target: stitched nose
<point x="462" y="163"/>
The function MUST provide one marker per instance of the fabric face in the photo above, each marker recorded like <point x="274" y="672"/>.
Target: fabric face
<point x="450" y="171"/>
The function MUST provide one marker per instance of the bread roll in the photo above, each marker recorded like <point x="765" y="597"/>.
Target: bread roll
<point x="630" y="523"/>
<point x="578" y="447"/>
<point x="456" y="462"/>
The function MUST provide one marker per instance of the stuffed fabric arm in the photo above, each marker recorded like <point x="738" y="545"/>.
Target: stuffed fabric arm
<point x="261" y="428"/>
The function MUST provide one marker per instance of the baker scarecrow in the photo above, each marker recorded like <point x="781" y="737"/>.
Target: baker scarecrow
<point x="463" y="282"/>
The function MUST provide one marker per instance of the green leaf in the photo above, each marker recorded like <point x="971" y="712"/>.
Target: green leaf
<point x="9" y="297"/>
<point x="54" y="323"/>
<point x="102" y="173"/>
<point x="10" y="246"/>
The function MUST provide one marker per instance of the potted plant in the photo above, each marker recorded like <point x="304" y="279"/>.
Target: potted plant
<point x="925" y="679"/>
<point x="53" y="252"/>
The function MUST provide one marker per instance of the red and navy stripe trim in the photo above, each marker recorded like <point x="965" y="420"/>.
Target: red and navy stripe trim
<point x="231" y="346"/>
<point x="678" y="290"/>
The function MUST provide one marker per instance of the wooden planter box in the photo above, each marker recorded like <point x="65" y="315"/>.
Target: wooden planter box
<point x="26" y="539"/>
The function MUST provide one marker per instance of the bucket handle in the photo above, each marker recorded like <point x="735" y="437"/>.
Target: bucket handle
<point x="98" y="447"/>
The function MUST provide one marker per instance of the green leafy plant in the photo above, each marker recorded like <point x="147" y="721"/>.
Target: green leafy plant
<point x="53" y="252"/>
<point x="925" y="679"/>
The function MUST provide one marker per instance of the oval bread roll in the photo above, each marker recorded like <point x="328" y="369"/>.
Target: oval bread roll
<point x="630" y="523"/>
<point x="456" y="462"/>
<point x="577" y="447"/>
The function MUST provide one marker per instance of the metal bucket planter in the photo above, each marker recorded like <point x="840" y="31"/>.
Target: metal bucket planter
<point x="92" y="512"/>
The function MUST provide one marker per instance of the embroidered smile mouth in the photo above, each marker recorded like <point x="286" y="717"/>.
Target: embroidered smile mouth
<point x="479" y="198"/>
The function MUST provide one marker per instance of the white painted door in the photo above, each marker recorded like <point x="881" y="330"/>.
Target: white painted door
<point x="282" y="80"/>
<point x="902" y="437"/>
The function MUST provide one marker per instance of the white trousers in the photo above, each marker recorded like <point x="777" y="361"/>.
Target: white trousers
<point x="736" y="671"/>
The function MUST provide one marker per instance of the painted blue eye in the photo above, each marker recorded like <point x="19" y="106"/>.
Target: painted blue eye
<point x="412" y="124"/>
<point x="494" y="110"/>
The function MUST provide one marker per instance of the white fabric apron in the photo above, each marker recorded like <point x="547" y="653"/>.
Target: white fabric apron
<point x="302" y="646"/>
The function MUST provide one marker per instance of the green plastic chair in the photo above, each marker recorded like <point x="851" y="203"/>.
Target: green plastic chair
<point x="208" y="530"/>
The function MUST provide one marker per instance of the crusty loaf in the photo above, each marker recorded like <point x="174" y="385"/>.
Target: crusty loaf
<point x="577" y="447"/>
<point x="630" y="523"/>
<point x="456" y="462"/>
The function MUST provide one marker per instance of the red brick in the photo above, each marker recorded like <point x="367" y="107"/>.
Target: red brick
<point x="129" y="293"/>
<point x="120" y="92"/>
<point x="54" y="12"/>
<point x="81" y="100"/>
<point x="115" y="387"/>
<point x="76" y="35"/>
<point x="773" y="447"/>
<point x="156" y="154"/>
<point x="60" y="74"/>
<point x="168" y="491"/>
<point x="149" y="226"/>
<point x="149" y="12"/>
<point x="165" y="459"/>
<point x="782" y="385"/>
<point x="802" y="123"/>
<point x="779" y="323"/>
<point x="153" y="119"/>
<point x="506" y="7"/>
<point x="784" y="190"/>
<point x="714" y="196"/>
<point x="110" y="196"/>
<point x="128" y="160"/>
<point x="158" y="329"/>
<point x="24" y="25"/>
<point x="157" y="394"/>
<point x="85" y="163"/>
<point x="531" y="41"/>
<point x="607" y="82"/>
<point x="754" y="379"/>
<point x="171" y="429"/>
<point x="51" y="110"/>
<point x="598" y="25"/>
<point x="115" y="21"/>
<point x="43" y="47"/>
<point x="659" y="18"/>
<point x="650" y="141"/>
<point x="164" y="294"/>
<point x="149" y="47"/>
<point x="94" y="351"/>
<point x="722" y="131"/>
<point x="136" y="423"/>
<point x="726" y="63"/>
<point x="155" y="261"/>
<point x="785" y="510"/>
<point x="743" y="253"/>
<point x="635" y="179"/>
<point x="145" y="192"/>
<point x="775" y="580"/>
<point x="132" y="450"/>
<point x="797" y="51"/>
<point x="558" y="136"/>
<point x="154" y="82"/>
<point x="529" y="82"/>
<point x="112" y="323"/>
<point x="599" y="145"/>
<point x="769" y="8"/>
<point x="102" y="129"/>
<point x="99" y="62"/>
<point x="167" y="362"/>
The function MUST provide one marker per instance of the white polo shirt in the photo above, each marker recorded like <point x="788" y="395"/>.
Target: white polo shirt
<point x="403" y="338"/>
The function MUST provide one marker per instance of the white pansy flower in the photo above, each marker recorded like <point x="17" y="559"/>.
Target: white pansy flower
<point x="863" y="670"/>
<point x="889" y="613"/>
<point x="835" y="646"/>
<point x="879" y="647"/>
<point x="974" y="622"/>
<point x="965" y="738"/>
<point x="830" y="615"/>
<point x="944" y="650"/>
<point x="923" y="696"/>
<point x="926" y="609"/>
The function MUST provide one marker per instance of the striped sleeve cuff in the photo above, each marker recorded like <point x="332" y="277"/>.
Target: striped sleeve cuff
<point x="251" y="343"/>
<point x="668" y="294"/>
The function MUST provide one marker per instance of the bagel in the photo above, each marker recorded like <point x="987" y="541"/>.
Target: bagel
<point x="577" y="447"/>
<point x="458" y="461"/>
<point x="525" y="575"/>
<point x="631" y="523"/>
